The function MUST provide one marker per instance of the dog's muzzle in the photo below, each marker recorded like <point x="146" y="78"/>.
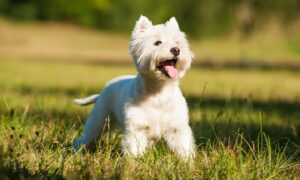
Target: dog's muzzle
<point x="168" y="68"/>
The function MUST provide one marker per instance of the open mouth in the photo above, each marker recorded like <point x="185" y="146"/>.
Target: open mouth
<point x="168" y="67"/>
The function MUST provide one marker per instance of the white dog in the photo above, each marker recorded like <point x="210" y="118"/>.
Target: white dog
<point x="149" y="105"/>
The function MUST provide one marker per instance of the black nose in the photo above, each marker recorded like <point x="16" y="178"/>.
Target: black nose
<point x="175" y="51"/>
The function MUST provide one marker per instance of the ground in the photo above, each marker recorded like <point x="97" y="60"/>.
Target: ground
<point x="245" y="121"/>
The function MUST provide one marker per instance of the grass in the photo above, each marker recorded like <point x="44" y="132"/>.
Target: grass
<point x="246" y="125"/>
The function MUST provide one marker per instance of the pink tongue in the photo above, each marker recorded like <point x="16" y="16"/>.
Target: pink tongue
<point x="171" y="71"/>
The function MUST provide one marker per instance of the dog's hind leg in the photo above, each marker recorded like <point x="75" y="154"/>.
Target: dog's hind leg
<point x="94" y="124"/>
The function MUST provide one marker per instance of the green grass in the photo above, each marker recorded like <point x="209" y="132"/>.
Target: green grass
<point x="246" y="124"/>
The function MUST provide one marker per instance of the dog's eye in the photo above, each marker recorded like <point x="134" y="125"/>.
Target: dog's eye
<point x="157" y="43"/>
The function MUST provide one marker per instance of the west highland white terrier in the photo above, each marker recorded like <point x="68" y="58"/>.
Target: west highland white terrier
<point x="149" y="105"/>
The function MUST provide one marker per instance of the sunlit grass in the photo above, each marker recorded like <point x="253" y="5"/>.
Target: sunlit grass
<point x="37" y="76"/>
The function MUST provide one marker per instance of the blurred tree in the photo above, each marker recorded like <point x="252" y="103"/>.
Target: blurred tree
<point x="197" y="17"/>
<point x="245" y="18"/>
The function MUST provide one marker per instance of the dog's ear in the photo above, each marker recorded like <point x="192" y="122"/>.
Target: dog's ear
<point x="172" y="23"/>
<point x="142" y="24"/>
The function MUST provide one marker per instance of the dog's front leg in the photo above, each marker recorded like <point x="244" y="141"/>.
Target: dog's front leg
<point x="181" y="141"/>
<point x="135" y="139"/>
<point x="134" y="142"/>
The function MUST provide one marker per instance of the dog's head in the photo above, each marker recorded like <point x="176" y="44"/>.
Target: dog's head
<point x="160" y="50"/>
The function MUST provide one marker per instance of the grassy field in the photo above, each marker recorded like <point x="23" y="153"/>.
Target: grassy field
<point x="246" y="121"/>
<point x="246" y="124"/>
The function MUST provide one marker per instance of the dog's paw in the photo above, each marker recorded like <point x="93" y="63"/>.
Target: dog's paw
<point x="77" y="143"/>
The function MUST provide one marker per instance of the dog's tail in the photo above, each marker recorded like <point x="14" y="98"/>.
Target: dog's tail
<point x="86" y="101"/>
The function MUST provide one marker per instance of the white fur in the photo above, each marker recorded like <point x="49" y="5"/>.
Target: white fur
<point x="149" y="105"/>
<point x="86" y="101"/>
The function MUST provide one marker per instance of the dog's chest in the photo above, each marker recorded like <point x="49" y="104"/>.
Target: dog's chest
<point x="155" y="114"/>
<point x="160" y="111"/>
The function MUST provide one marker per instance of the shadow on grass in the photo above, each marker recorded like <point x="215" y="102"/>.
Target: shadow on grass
<point x="24" y="174"/>
<point x="224" y="119"/>
<point x="281" y="107"/>
<point x="209" y="125"/>
<point x="209" y="131"/>
<point x="220" y="123"/>
<point x="285" y="109"/>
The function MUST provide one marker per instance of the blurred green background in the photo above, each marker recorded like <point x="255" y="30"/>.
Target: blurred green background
<point x="197" y="17"/>
<point x="222" y="32"/>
